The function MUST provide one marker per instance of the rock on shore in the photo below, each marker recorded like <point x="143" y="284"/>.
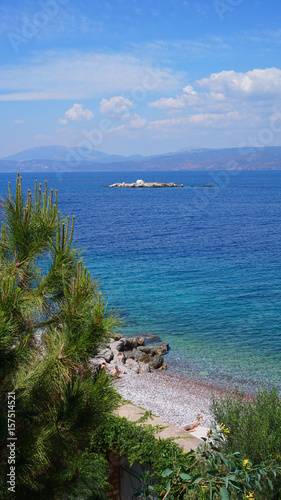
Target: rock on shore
<point x="141" y="184"/>
<point x="131" y="354"/>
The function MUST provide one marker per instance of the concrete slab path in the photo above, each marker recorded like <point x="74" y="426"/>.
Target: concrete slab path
<point x="187" y="441"/>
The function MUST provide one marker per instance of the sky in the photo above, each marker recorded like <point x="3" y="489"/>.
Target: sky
<point x="140" y="77"/>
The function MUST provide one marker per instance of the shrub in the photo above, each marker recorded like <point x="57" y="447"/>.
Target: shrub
<point x="254" y="425"/>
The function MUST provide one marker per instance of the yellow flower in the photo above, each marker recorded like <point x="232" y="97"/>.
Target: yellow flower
<point x="224" y="429"/>
<point x="246" y="465"/>
<point x="204" y="488"/>
<point x="250" y="496"/>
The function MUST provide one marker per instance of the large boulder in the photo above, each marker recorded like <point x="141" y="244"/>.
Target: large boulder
<point x="96" y="362"/>
<point x="162" y="348"/>
<point x="118" y="345"/>
<point x="118" y="358"/>
<point x="140" y="356"/>
<point x="131" y="343"/>
<point x="131" y="364"/>
<point x="106" y="354"/>
<point x="156" y="361"/>
<point x="144" y="368"/>
<point x="147" y="349"/>
<point x="137" y="355"/>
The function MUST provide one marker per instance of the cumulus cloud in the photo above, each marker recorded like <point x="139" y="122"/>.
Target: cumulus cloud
<point x="225" y="90"/>
<point x="257" y="83"/>
<point x="115" y="107"/>
<point x="188" y="98"/>
<point x="133" y="121"/>
<point x="77" y="114"/>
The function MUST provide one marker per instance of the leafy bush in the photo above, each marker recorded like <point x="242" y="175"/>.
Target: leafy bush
<point x="207" y="472"/>
<point x="254" y="425"/>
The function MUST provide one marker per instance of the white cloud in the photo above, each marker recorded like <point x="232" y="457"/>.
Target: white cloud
<point x="133" y="121"/>
<point x="204" y="120"/>
<point x="77" y="114"/>
<point x="18" y="122"/>
<point x="80" y="76"/>
<point x="258" y="83"/>
<point x="254" y="93"/>
<point x="188" y="98"/>
<point x="115" y="107"/>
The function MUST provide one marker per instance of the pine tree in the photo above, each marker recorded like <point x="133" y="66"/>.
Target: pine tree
<point x="52" y="318"/>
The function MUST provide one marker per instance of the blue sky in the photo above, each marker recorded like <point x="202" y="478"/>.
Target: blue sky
<point x="140" y="77"/>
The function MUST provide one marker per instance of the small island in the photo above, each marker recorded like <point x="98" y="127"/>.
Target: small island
<point x="141" y="184"/>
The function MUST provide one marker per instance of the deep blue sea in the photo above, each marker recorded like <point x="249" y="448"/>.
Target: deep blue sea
<point x="198" y="266"/>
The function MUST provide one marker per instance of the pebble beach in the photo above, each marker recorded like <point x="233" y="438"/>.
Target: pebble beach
<point x="174" y="398"/>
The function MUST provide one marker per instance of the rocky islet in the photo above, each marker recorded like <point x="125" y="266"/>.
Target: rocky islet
<point x="141" y="184"/>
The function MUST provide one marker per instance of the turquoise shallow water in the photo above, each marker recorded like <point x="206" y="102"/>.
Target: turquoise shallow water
<point x="200" y="267"/>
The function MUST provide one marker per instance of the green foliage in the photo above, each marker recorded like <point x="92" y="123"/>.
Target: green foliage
<point x="52" y="318"/>
<point x="255" y="427"/>
<point x="208" y="472"/>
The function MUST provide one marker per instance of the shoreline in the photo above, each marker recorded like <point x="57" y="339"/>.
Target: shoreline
<point x="176" y="399"/>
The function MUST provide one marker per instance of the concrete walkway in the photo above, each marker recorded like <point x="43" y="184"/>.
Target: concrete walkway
<point x="187" y="441"/>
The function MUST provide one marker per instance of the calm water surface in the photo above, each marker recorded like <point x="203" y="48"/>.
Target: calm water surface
<point x="200" y="267"/>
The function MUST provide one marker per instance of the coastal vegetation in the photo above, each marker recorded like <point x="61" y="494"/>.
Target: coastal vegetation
<point x="52" y="318"/>
<point x="254" y="428"/>
<point x="56" y="415"/>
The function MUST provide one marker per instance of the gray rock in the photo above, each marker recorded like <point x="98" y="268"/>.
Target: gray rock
<point x="144" y="368"/>
<point x="148" y="349"/>
<point x="131" y="343"/>
<point x="137" y="355"/>
<point x="95" y="362"/>
<point x="140" y="356"/>
<point x="106" y="354"/>
<point x="117" y="336"/>
<point x="162" y="348"/>
<point x="118" y="358"/>
<point x="131" y="364"/>
<point x="118" y="345"/>
<point x="156" y="361"/>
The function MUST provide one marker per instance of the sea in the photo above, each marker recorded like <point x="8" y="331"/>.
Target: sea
<point x="198" y="266"/>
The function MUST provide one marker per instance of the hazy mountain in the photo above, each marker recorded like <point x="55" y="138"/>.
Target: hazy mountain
<point x="54" y="158"/>
<point x="61" y="153"/>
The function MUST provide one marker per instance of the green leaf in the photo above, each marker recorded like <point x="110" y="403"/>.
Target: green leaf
<point x="258" y="485"/>
<point x="196" y="479"/>
<point x="224" y="494"/>
<point x="168" y="486"/>
<point x="235" y="484"/>
<point x="185" y="477"/>
<point x="270" y="484"/>
<point x="212" y="472"/>
<point x="167" y="472"/>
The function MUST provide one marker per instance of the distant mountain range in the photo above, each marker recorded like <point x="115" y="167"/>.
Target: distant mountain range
<point x="54" y="158"/>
